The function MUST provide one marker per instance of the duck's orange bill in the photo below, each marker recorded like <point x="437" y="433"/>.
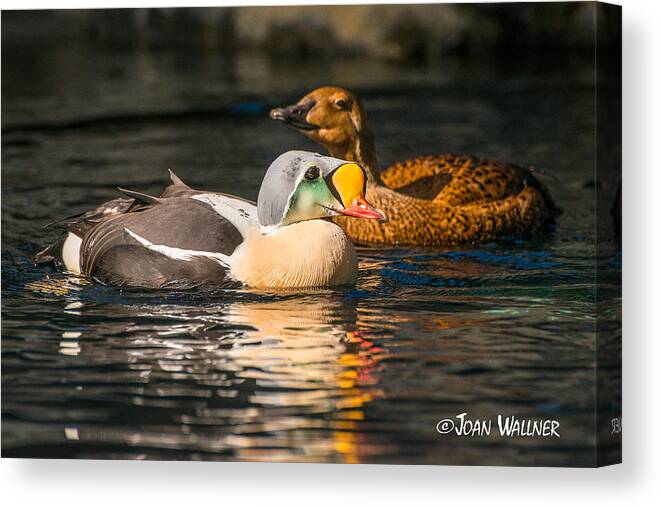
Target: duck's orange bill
<point x="360" y="208"/>
<point x="349" y="181"/>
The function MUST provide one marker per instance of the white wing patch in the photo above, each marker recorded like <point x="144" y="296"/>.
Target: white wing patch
<point x="71" y="252"/>
<point x="241" y="214"/>
<point x="180" y="254"/>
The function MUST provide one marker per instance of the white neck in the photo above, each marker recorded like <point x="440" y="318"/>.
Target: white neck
<point x="313" y="253"/>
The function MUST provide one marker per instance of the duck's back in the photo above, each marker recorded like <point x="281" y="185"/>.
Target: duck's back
<point x="173" y="242"/>
<point x="456" y="180"/>
<point x="158" y="246"/>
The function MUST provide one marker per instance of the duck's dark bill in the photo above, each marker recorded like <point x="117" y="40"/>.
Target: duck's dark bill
<point x="295" y="115"/>
<point x="362" y="209"/>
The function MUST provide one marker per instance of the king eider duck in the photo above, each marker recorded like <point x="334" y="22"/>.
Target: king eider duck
<point x="191" y="238"/>
<point x="440" y="200"/>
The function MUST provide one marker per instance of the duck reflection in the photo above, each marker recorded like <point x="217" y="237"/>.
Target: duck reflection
<point x="305" y="343"/>
<point x="268" y="377"/>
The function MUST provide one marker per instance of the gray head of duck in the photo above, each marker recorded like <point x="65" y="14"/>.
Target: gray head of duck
<point x="300" y="185"/>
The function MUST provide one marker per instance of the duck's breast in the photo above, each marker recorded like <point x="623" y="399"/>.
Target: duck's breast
<point x="313" y="253"/>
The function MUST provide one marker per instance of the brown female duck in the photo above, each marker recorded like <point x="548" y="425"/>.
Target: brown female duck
<point x="430" y="201"/>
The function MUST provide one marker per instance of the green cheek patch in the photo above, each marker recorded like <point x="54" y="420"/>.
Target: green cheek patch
<point x="308" y="200"/>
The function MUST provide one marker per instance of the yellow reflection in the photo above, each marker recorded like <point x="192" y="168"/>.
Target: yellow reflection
<point x="59" y="286"/>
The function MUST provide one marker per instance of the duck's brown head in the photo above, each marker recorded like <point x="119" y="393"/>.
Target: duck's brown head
<point x="334" y="118"/>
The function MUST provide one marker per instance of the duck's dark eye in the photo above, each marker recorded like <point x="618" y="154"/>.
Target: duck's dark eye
<point x="341" y="103"/>
<point x="312" y="173"/>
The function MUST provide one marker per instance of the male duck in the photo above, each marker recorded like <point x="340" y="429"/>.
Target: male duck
<point x="190" y="238"/>
<point x="436" y="200"/>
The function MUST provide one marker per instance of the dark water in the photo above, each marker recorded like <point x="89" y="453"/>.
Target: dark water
<point x="352" y="376"/>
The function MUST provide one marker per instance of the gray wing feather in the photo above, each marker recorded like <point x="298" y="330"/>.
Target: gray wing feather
<point x="113" y="256"/>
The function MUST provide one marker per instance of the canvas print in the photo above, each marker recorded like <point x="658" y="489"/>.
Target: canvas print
<point x="345" y="234"/>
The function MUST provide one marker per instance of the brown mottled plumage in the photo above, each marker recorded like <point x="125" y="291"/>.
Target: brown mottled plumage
<point x="435" y="200"/>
